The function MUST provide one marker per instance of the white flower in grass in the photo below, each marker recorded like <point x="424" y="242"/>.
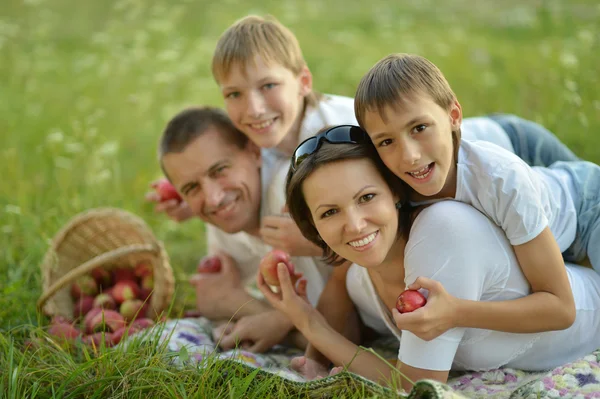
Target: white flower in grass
<point x="569" y="60"/>
<point x="14" y="209"/>
<point x="55" y="137"/>
<point x="583" y="119"/>
<point x="63" y="163"/>
<point x="73" y="148"/>
<point x="109" y="148"/>
<point x="586" y="36"/>
<point x="571" y="85"/>
<point x="100" y="177"/>
<point x="490" y="79"/>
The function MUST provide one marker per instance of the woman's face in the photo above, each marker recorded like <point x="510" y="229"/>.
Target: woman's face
<point x="353" y="209"/>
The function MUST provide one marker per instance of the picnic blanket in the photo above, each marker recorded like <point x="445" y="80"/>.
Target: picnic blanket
<point x="579" y="379"/>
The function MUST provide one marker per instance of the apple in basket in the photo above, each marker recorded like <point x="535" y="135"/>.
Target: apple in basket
<point x="82" y="305"/>
<point x="64" y="331"/>
<point x="97" y="339"/>
<point x="124" y="274"/>
<point x="132" y="308"/>
<point x="106" y="320"/>
<point x="85" y="285"/>
<point x="268" y="266"/>
<point x="105" y="301"/>
<point x="166" y="191"/>
<point x="124" y="290"/>
<point x="410" y="300"/>
<point x="102" y="277"/>
<point x="209" y="264"/>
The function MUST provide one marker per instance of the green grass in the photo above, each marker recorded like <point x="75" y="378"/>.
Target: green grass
<point x="86" y="88"/>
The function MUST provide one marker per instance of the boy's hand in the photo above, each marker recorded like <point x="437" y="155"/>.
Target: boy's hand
<point x="256" y="333"/>
<point x="178" y="211"/>
<point x="433" y="319"/>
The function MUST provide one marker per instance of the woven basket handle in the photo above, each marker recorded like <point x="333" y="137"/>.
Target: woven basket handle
<point x="91" y="265"/>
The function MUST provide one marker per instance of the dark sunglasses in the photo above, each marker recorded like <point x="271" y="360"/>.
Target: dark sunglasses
<point x="342" y="134"/>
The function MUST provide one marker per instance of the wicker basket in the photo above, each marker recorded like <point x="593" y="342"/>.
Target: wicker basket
<point x="105" y="237"/>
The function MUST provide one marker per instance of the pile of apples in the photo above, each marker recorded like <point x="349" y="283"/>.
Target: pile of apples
<point x="108" y="305"/>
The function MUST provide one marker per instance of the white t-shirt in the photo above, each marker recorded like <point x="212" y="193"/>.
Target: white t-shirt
<point x="486" y="129"/>
<point x="331" y="110"/>
<point x="454" y="244"/>
<point x="520" y="199"/>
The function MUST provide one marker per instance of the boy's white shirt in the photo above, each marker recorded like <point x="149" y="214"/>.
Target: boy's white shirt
<point x="520" y="199"/>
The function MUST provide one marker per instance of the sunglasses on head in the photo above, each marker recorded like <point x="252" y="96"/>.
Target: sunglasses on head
<point x="343" y="134"/>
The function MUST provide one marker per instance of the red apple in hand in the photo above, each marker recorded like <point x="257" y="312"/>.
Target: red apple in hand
<point x="166" y="191"/>
<point x="409" y="301"/>
<point x="209" y="264"/>
<point x="268" y="266"/>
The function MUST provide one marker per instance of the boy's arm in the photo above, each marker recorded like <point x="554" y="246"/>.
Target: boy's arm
<point x="551" y="305"/>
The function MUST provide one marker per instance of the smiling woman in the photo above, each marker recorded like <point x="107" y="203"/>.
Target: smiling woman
<point x="346" y="202"/>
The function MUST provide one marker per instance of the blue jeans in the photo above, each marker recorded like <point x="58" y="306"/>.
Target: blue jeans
<point x="532" y="142"/>
<point x="586" y="181"/>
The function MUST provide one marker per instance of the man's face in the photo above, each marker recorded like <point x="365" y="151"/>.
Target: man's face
<point x="220" y="181"/>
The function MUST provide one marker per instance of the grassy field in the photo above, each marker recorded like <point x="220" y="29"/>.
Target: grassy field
<point x="86" y="88"/>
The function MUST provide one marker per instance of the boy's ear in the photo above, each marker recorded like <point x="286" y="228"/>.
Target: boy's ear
<point x="455" y="115"/>
<point x="306" y="82"/>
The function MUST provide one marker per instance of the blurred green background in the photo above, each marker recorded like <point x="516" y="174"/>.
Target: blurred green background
<point x="86" y="88"/>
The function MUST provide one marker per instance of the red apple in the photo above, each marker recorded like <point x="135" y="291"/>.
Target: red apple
<point x="87" y="320"/>
<point x="268" y="266"/>
<point x="143" y="269"/>
<point x="124" y="290"/>
<point x="107" y="320"/>
<point x="56" y="319"/>
<point x="209" y="264"/>
<point x="123" y="332"/>
<point x="409" y="301"/>
<point x="147" y="282"/>
<point x="145" y="294"/>
<point x="124" y="274"/>
<point x="102" y="277"/>
<point x="131" y="308"/>
<point x="142" y="323"/>
<point x="96" y="339"/>
<point x="166" y="191"/>
<point x="105" y="301"/>
<point x="85" y="285"/>
<point x="82" y="306"/>
<point x="64" y="331"/>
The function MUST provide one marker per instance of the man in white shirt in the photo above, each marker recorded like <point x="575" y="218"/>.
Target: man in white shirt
<point x="226" y="182"/>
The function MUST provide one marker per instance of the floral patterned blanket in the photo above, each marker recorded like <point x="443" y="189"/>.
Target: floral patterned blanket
<point x="579" y="379"/>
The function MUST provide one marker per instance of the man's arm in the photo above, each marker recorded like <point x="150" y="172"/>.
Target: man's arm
<point x="221" y="295"/>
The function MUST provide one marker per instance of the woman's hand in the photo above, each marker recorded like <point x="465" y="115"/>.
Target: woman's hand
<point x="433" y="319"/>
<point x="290" y="301"/>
